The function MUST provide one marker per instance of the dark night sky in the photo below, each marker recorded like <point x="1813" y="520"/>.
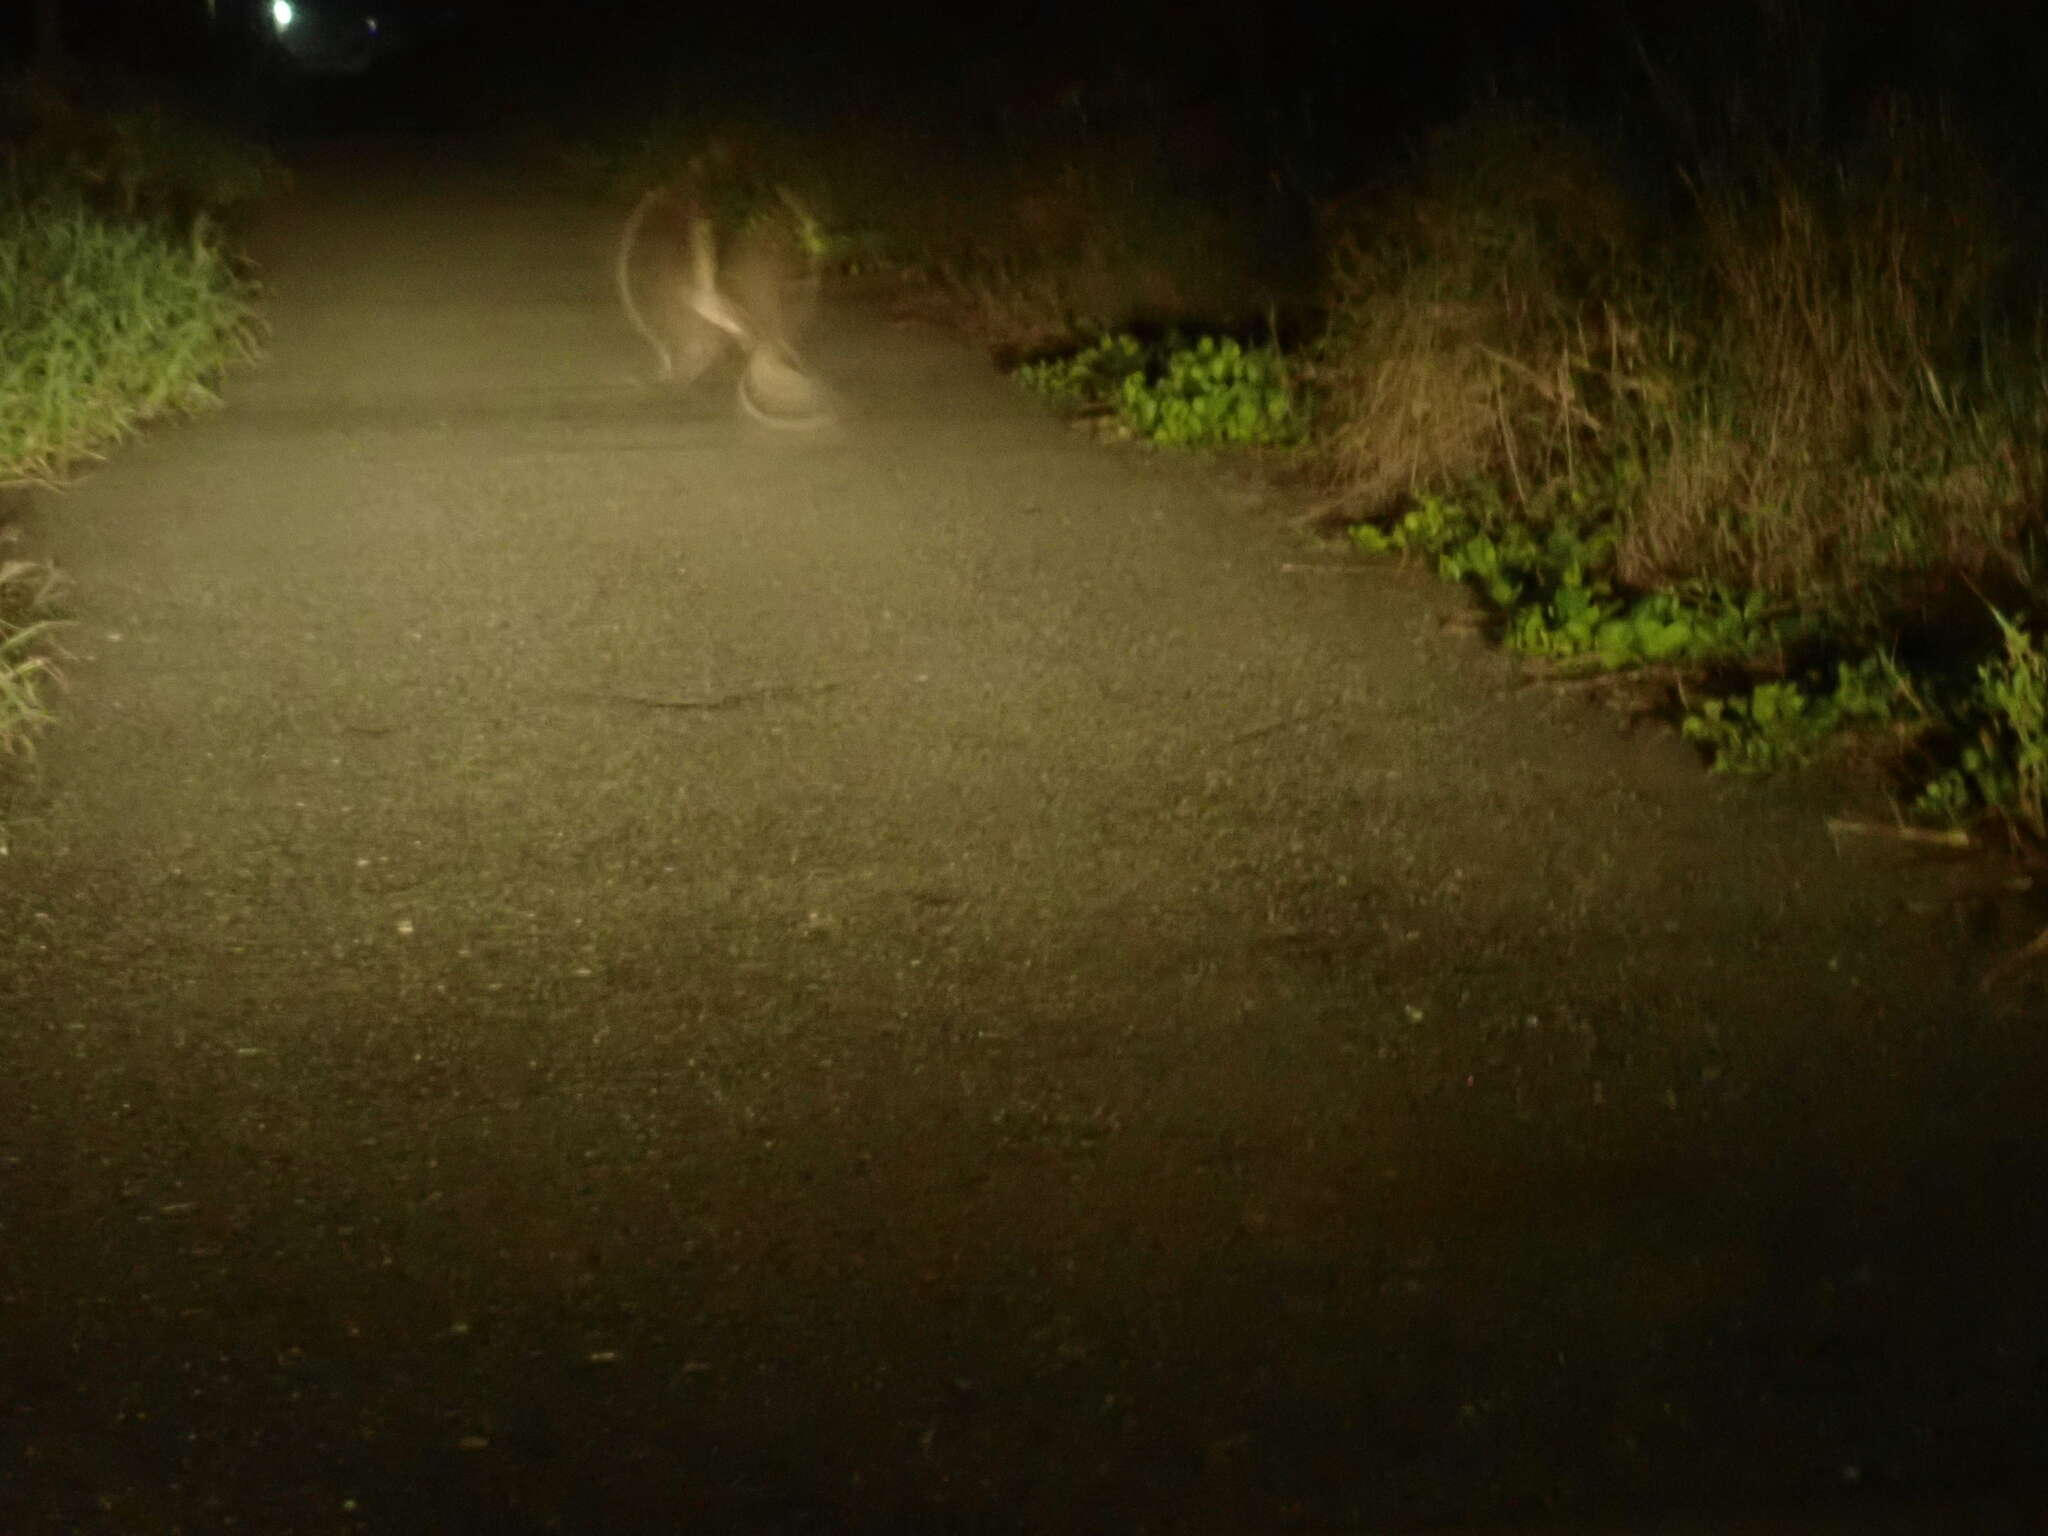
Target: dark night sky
<point x="1340" y="71"/>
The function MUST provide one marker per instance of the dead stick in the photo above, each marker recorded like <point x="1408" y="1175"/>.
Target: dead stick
<point x="1952" y="839"/>
<point x="2036" y="950"/>
<point x="716" y="701"/>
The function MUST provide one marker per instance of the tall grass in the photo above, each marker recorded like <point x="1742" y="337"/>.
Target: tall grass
<point x="26" y="663"/>
<point x="1862" y="415"/>
<point x="118" y="301"/>
<point x="1471" y="297"/>
<point x="1807" y="380"/>
<point x="104" y="324"/>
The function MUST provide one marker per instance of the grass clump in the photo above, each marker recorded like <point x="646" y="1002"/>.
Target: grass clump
<point x="1554" y="591"/>
<point x="1801" y="381"/>
<point x="1035" y="218"/>
<point x="118" y="300"/>
<point x="1476" y="302"/>
<point x="104" y="324"/>
<point x="118" y="303"/>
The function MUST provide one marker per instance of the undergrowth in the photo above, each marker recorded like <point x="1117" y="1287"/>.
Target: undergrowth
<point x="2000" y="730"/>
<point x="1758" y="686"/>
<point x="118" y="298"/>
<point x="1557" y="597"/>
<point x="118" y="302"/>
<point x="1212" y="392"/>
<point x="104" y="324"/>
<point x="1755" y="434"/>
<point x="1739" y="428"/>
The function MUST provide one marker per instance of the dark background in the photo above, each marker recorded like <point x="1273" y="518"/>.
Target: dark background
<point x="1325" y="90"/>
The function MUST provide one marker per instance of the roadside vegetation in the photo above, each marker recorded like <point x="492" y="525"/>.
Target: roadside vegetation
<point x="1775" y="454"/>
<point x="1739" y="417"/>
<point x="1762" y="449"/>
<point x="26" y="662"/>
<point x="119" y="302"/>
<point x="1037" y="215"/>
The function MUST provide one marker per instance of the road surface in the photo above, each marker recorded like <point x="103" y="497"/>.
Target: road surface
<point x="576" y="965"/>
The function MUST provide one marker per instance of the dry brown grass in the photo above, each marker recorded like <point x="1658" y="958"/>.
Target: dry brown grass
<point x="1822" y="446"/>
<point x="1799" y="389"/>
<point x="1466" y="301"/>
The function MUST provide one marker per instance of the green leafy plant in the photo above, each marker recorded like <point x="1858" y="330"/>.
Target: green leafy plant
<point x="1703" y="623"/>
<point x="1784" y="723"/>
<point x="1554" y="589"/>
<point x="1094" y="375"/>
<point x="1506" y="560"/>
<point x="1558" y="601"/>
<point x="2004" y="758"/>
<point x="1214" y="393"/>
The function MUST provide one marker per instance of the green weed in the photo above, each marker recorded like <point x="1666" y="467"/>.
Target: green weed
<point x="1985" y="747"/>
<point x="1216" y="393"/>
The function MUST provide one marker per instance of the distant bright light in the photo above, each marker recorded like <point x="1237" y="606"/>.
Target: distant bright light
<point x="281" y="14"/>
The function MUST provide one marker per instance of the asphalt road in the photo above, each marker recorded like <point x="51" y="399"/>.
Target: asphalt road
<point x="577" y="965"/>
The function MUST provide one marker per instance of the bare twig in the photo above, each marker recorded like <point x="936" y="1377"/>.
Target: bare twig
<point x="1507" y="439"/>
<point x="1572" y="672"/>
<point x="1551" y="394"/>
<point x="2019" y="959"/>
<point x="1953" y="838"/>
